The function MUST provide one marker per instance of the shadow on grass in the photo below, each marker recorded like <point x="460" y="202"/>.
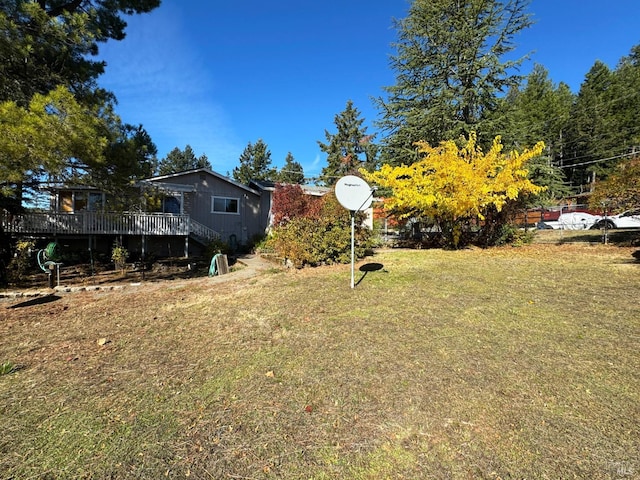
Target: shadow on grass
<point x="622" y="237"/>
<point x="369" y="267"/>
<point x="36" y="301"/>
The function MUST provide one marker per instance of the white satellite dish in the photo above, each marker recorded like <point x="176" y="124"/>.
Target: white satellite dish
<point x="354" y="193"/>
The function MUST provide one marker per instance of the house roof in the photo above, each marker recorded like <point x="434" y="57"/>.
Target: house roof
<point x="263" y="184"/>
<point x="166" y="179"/>
<point x="315" y="190"/>
<point x="307" y="189"/>
<point x="61" y="186"/>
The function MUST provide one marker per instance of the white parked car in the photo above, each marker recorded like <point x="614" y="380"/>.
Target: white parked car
<point x="628" y="219"/>
<point x="572" y="221"/>
<point x="577" y="220"/>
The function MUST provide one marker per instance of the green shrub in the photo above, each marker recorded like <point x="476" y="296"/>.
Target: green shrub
<point x="509" y="234"/>
<point x="256" y="242"/>
<point x="119" y="256"/>
<point x="214" y="247"/>
<point x="321" y="238"/>
<point x="263" y="245"/>
<point x="22" y="262"/>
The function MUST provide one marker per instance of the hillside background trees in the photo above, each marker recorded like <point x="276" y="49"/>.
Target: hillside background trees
<point x="457" y="72"/>
<point x="181" y="160"/>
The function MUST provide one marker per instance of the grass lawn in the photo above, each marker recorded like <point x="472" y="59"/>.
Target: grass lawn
<point x="504" y="363"/>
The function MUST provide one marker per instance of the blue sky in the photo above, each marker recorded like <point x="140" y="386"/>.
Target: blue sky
<point x="217" y="75"/>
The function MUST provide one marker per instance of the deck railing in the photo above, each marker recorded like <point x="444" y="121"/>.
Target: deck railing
<point x="202" y="232"/>
<point x="96" y="223"/>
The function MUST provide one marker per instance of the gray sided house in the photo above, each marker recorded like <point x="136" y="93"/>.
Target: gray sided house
<point x="231" y="210"/>
<point x="197" y="207"/>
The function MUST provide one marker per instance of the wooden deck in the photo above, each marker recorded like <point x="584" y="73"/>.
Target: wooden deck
<point x="96" y="223"/>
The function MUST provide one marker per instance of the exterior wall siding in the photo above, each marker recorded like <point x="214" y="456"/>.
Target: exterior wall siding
<point x="244" y="225"/>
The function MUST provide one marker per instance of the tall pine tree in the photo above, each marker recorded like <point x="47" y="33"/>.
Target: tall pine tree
<point x="349" y="149"/>
<point x="540" y="111"/>
<point x="49" y="43"/>
<point x="291" y="171"/>
<point x="591" y="123"/>
<point x="255" y="164"/>
<point x="604" y="121"/>
<point x="627" y="84"/>
<point x="451" y="66"/>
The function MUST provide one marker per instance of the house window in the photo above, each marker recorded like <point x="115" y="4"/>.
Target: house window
<point x="225" y="205"/>
<point x="79" y="201"/>
<point x="171" y="205"/>
<point x="95" y="201"/>
<point x="65" y="202"/>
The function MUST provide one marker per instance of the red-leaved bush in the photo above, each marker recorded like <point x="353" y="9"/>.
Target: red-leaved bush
<point x="290" y="201"/>
<point x="310" y="230"/>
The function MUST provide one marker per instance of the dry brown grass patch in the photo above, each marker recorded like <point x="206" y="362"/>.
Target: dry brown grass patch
<point x="510" y="363"/>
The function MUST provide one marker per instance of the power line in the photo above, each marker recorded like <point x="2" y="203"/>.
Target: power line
<point x="606" y="105"/>
<point x="631" y="154"/>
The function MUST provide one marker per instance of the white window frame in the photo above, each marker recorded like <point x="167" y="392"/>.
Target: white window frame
<point x="217" y="197"/>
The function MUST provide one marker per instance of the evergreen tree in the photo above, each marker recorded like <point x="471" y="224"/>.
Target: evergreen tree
<point x="605" y="120"/>
<point x="544" y="173"/>
<point x="539" y="112"/>
<point x="349" y="149"/>
<point x="590" y="135"/>
<point x="180" y="161"/>
<point x="627" y="83"/>
<point x="47" y="48"/>
<point x="45" y="137"/>
<point x="291" y="172"/>
<point x="129" y="156"/>
<point x="255" y="164"/>
<point x="47" y="43"/>
<point x="450" y="69"/>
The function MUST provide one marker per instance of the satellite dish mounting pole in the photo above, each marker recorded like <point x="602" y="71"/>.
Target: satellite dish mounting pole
<point x="353" y="230"/>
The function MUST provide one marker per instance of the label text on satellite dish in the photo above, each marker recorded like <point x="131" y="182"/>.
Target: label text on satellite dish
<point x="353" y="193"/>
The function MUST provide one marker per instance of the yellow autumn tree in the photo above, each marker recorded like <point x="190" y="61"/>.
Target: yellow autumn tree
<point x="621" y="190"/>
<point x="453" y="185"/>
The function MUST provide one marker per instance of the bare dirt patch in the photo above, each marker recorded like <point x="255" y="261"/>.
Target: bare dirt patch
<point x="98" y="274"/>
